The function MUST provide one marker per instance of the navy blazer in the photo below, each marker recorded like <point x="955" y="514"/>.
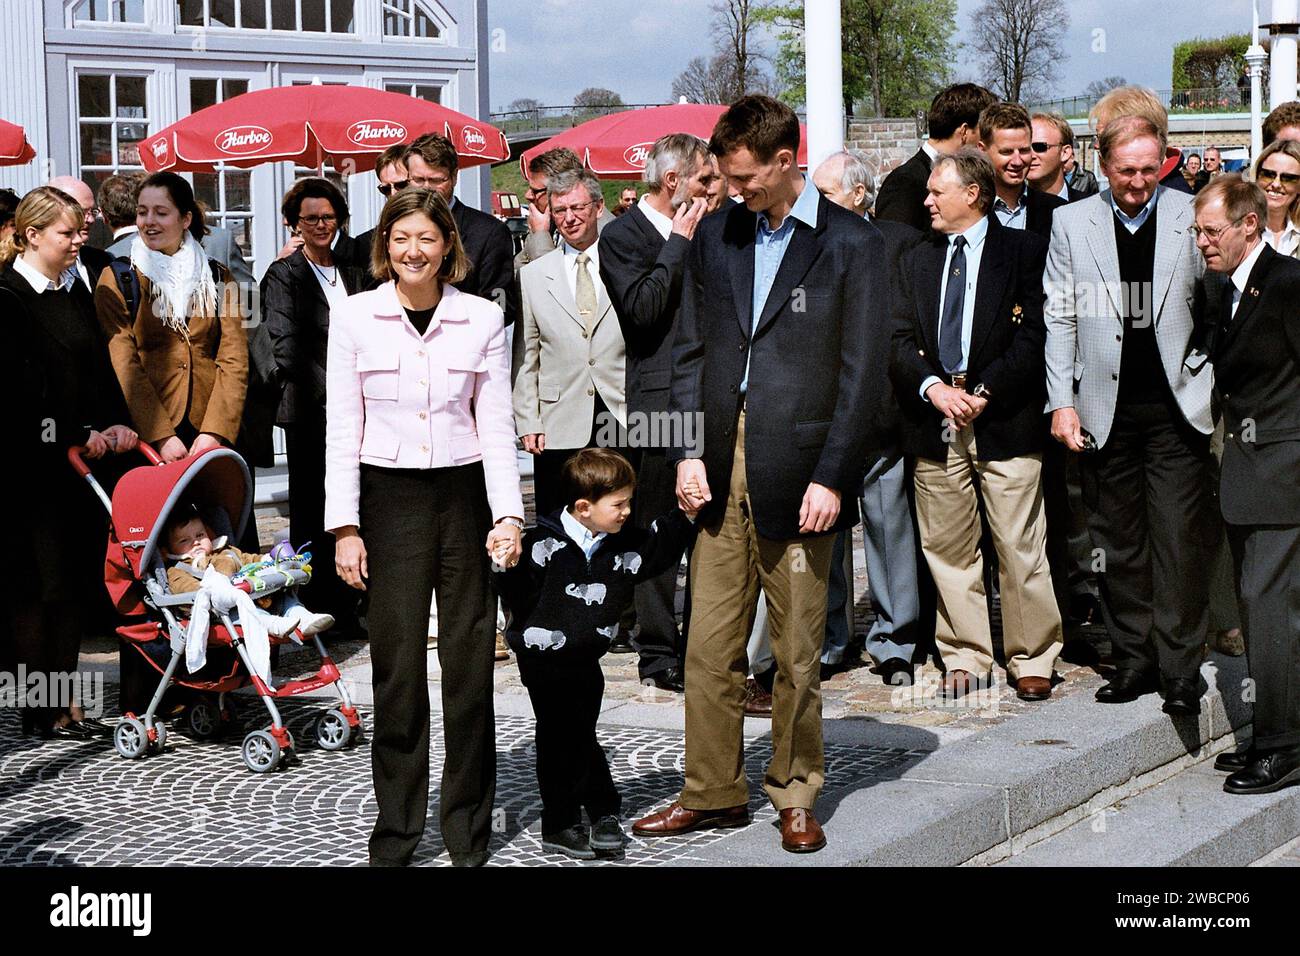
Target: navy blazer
<point x="810" y="361"/>
<point x="902" y="194"/>
<point x="1006" y="347"/>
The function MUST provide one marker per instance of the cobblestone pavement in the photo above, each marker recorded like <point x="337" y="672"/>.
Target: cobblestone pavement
<point x="80" y="804"/>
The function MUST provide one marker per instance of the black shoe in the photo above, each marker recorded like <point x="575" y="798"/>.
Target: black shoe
<point x="622" y="643"/>
<point x="34" y="726"/>
<point x="1127" y="686"/>
<point x="670" y="678"/>
<point x="830" y="670"/>
<point x="1268" y="772"/>
<point x="476" y="858"/>
<point x="571" y="842"/>
<point x="896" y="672"/>
<point x="389" y="861"/>
<point x="95" y="726"/>
<point x="607" y="834"/>
<point x="1182" y="697"/>
<point x="72" y="731"/>
<point x="1230" y="761"/>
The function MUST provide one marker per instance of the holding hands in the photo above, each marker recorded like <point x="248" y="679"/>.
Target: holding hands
<point x="503" y="544"/>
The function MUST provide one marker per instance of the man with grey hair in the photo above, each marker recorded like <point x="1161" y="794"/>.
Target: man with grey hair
<point x="543" y="231"/>
<point x="967" y="367"/>
<point x="568" y="370"/>
<point x="642" y="259"/>
<point x="1127" y="387"/>
<point x="895" y="576"/>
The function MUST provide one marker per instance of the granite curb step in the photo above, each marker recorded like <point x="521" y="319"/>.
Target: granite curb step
<point x="994" y="795"/>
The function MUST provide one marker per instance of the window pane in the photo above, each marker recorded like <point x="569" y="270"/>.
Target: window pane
<point x="313" y="15"/>
<point x="205" y="189"/>
<point x="341" y="12"/>
<point x="239" y="197"/>
<point x="395" y="26"/>
<point x="221" y="12"/>
<point x="232" y="88"/>
<point x="92" y="95"/>
<point x="254" y="14"/>
<point x="431" y="94"/>
<point x="133" y="11"/>
<point x="189" y="13"/>
<point x="131" y="97"/>
<point x="243" y="230"/>
<point x="398" y="88"/>
<point x="424" y="26"/>
<point x="284" y="15"/>
<point x="96" y="144"/>
<point x="203" y="93"/>
<point x="128" y="153"/>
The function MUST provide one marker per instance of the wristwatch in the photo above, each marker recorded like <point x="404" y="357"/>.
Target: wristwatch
<point x="982" y="391"/>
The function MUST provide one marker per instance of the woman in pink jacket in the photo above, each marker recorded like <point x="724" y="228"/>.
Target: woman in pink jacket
<point x="420" y="472"/>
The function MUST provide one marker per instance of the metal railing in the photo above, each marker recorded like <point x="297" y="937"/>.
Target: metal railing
<point x="555" y="117"/>
<point x="1227" y="99"/>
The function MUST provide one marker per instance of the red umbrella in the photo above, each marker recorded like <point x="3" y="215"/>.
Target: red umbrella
<point x="616" y="146"/>
<point x="348" y="125"/>
<point x="14" y="148"/>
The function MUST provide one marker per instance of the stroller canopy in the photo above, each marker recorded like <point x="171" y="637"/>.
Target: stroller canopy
<point x="146" y="496"/>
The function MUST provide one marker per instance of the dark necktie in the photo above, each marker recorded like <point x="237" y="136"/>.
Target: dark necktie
<point x="953" y="303"/>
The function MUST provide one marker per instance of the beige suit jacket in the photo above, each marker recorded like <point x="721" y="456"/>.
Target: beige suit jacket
<point x="562" y="360"/>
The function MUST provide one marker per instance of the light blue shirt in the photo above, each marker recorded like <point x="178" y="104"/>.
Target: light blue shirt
<point x="580" y="533"/>
<point x="974" y="251"/>
<point x="1134" y="223"/>
<point x="769" y="252"/>
<point x="1018" y="218"/>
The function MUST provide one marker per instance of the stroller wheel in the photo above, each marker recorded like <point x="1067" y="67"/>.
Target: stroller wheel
<point x="261" y="752"/>
<point x="131" y="739"/>
<point x="204" y="719"/>
<point x="160" y="741"/>
<point x="332" y="730"/>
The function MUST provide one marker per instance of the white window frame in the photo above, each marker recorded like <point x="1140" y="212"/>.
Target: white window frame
<point x="270" y="30"/>
<point x="71" y="22"/>
<point x="79" y="68"/>
<point x="435" y="12"/>
<point x="442" y="83"/>
<point x="222" y="215"/>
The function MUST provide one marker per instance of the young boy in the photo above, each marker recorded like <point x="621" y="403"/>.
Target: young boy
<point x="573" y="581"/>
<point x="191" y="550"/>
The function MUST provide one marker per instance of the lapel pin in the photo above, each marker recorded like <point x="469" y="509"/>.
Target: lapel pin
<point x="1016" y="312"/>
<point x="1253" y="291"/>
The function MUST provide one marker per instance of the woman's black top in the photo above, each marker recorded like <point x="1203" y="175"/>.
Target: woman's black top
<point x="420" y="318"/>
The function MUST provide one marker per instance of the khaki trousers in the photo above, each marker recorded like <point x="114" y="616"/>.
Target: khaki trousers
<point x="729" y="564"/>
<point x="947" y="513"/>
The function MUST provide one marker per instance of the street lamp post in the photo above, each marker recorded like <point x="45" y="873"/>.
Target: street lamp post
<point x="823" y="68"/>
<point x="1255" y="57"/>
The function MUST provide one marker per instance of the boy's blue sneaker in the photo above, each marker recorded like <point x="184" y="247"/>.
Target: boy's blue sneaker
<point x="571" y="842"/>
<point x="607" y="834"/>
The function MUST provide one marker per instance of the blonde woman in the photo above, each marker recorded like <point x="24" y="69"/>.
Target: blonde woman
<point x="1277" y="171"/>
<point x="60" y="389"/>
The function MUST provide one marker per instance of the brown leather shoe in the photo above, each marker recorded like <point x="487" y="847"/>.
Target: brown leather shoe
<point x="1033" y="688"/>
<point x="800" y="831"/>
<point x="678" y="819"/>
<point x="758" y="702"/>
<point x="957" y="683"/>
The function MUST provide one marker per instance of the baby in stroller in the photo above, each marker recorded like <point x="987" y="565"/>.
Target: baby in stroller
<point x="191" y="550"/>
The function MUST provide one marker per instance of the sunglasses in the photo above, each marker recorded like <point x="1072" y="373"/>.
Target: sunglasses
<point x="1266" y="176"/>
<point x="387" y="188"/>
<point x="1044" y="147"/>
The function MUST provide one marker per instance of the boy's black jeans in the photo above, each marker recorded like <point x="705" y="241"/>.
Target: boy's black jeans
<point x="572" y="772"/>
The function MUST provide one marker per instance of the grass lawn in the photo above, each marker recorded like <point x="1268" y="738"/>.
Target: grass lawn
<point x="506" y="177"/>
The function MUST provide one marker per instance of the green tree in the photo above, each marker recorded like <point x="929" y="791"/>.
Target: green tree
<point x="897" y="53"/>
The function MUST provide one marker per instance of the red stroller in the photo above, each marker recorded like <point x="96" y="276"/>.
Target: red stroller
<point x="136" y="578"/>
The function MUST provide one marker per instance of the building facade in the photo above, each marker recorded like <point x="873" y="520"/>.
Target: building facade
<point x="88" y="79"/>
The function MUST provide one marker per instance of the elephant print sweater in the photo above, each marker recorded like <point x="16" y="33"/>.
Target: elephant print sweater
<point x="564" y="604"/>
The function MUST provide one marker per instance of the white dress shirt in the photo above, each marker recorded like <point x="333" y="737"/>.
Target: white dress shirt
<point x="581" y="535"/>
<point x="975" y="236"/>
<point x="1241" y="275"/>
<point x="571" y="267"/>
<point x="38" y="281"/>
<point x="1285" y="242"/>
<point x="663" y="225"/>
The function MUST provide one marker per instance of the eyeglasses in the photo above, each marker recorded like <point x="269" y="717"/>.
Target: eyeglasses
<point x="388" y="188"/>
<point x="314" y="221"/>
<point x="534" y="193"/>
<point x="1044" y="147"/>
<point x="1213" y="233"/>
<point x="1266" y="176"/>
<point x="578" y="209"/>
<point x="429" y="182"/>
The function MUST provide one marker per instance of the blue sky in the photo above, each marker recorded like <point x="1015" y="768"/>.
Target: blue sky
<point x="554" y="48"/>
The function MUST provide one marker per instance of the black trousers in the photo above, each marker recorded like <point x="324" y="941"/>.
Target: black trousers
<point x="548" y="490"/>
<point x="305" y="446"/>
<point x="572" y="772"/>
<point x="1267" y="561"/>
<point x="424" y="531"/>
<point x="658" y="642"/>
<point x="1147" y="494"/>
<point x="1069" y="549"/>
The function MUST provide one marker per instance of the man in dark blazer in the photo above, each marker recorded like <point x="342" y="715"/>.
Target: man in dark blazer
<point x="968" y="370"/>
<point x="1006" y="135"/>
<point x="953" y="123"/>
<point x="773" y="355"/>
<point x="431" y="163"/>
<point x="642" y="259"/>
<point x="1255" y="347"/>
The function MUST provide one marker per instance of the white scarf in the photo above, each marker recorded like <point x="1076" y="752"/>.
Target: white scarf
<point x="181" y="284"/>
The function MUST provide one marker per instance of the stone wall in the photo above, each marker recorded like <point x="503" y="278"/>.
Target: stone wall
<point x="887" y="142"/>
